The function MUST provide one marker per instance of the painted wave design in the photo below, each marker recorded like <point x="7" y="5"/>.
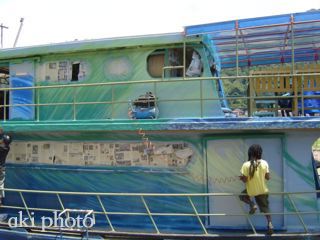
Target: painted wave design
<point x="116" y="182"/>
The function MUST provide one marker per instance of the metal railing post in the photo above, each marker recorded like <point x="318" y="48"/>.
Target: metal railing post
<point x="5" y="107"/>
<point x="184" y="59"/>
<point x="247" y="216"/>
<point x="63" y="208"/>
<point x="297" y="213"/>
<point x="150" y="215"/>
<point x="198" y="217"/>
<point x="112" y="101"/>
<point x="60" y="201"/>
<point x="201" y="100"/>
<point x="302" y="95"/>
<point x="38" y="105"/>
<point x="237" y="47"/>
<point x="105" y="213"/>
<point x="74" y="104"/>
<point x="25" y="205"/>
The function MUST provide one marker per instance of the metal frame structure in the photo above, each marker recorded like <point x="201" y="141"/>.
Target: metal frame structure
<point x="287" y="38"/>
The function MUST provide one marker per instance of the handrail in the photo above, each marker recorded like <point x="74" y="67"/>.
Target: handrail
<point x="176" y="79"/>
<point x="149" y="213"/>
<point x="298" y="93"/>
<point x="146" y="194"/>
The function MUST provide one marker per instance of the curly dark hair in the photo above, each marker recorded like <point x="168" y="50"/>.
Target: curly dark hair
<point x="254" y="154"/>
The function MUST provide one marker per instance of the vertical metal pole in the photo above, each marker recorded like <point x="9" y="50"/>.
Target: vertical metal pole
<point x="60" y="201"/>
<point x="63" y="208"/>
<point x="292" y="45"/>
<point x="206" y="177"/>
<point x="155" y="100"/>
<point x="297" y="212"/>
<point x="19" y="31"/>
<point x="74" y="104"/>
<point x="294" y="79"/>
<point x="237" y="47"/>
<point x="184" y="59"/>
<point x="25" y="205"/>
<point x="302" y="95"/>
<point x="197" y="215"/>
<point x="201" y="100"/>
<point x="247" y="216"/>
<point x="150" y="215"/>
<point x="5" y="107"/>
<point x="251" y="96"/>
<point x="2" y="27"/>
<point x="112" y="99"/>
<point x="105" y="213"/>
<point x="38" y="106"/>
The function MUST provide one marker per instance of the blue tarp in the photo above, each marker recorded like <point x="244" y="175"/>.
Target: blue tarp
<point x="264" y="40"/>
<point x="24" y="96"/>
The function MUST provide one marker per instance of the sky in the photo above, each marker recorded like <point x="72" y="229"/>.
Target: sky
<point x="55" y="21"/>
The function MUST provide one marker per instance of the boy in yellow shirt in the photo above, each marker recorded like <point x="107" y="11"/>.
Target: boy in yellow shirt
<point x="255" y="172"/>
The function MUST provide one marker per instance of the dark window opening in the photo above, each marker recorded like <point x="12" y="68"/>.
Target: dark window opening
<point x="4" y="95"/>
<point x="75" y="71"/>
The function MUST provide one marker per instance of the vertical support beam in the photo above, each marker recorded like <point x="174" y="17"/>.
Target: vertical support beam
<point x="206" y="177"/>
<point x="198" y="217"/>
<point x="292" y="44"/>
<point x="156" y="99"/>
<point x="25" y="205"/>
<point x="184" y="59"/>
<point x="74" y="104"/>
<point x="60" y="201"/>
<point x="251" y="96"/>
<point x="63" y="209"/>
<point x="247" y="216"/>
<point x="237" y="46"/>
<point x="150" y="215"/>
<point x="105" y="213"/>
<point x="302" y="93"/>
<point x="297" y="213"/>
<point x="5" y="107"/>
<point x="201" y="99"/>
<point x="112" y="101"/>
<point x="38" y="102"/>
<point x="293" y="79"/>
<point x="2" y="27"/>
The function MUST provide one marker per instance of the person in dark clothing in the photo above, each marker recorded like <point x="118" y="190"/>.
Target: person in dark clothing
<point x="5" y="141"/>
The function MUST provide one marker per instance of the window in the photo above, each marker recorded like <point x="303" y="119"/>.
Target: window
<point x="75" y="71"/>
<point x="155" y="63"/>
<point x="4" y="95"/>
<point x="61" y="71"/>
<point x="172" y="57"/>
<point x="118" y="68"/>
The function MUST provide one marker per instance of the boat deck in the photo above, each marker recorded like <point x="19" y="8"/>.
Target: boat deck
<point x="182" y="124"/>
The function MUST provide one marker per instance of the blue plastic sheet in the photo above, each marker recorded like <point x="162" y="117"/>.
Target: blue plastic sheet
<point x="24" y="96"/>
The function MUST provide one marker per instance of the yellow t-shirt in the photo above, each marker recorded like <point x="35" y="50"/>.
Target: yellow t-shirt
<point x="256" y="185"/>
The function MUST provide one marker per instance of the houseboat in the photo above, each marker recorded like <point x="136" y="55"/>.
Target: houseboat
<point x="146" y="135"/>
